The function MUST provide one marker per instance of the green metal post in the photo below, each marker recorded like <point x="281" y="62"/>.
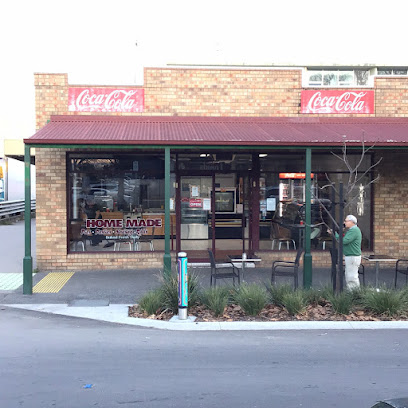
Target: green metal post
<point x="167" y="180"/>
<point x="28" y="260"/>
<point x="307" y="259"/>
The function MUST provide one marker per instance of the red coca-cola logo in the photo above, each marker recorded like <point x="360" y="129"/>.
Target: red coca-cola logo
<point x="105" y="100"/>
<point x="337" y="102"/>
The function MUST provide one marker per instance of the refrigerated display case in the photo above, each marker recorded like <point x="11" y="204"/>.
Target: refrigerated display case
<point x="194" y="223"/>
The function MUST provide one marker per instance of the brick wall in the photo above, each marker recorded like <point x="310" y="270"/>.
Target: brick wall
<point x="51" y="96"/>
<point x="391" y="97"/>
<point x="390" y="197"/>
<point x="211" y="92"/>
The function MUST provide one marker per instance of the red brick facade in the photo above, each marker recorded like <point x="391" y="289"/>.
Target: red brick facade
<point x="208" y="92"/>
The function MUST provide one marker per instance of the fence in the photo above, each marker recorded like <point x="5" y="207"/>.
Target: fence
<point x="13" y="208"/>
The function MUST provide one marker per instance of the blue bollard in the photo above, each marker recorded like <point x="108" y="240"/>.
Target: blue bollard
<point x="182" y="286"/>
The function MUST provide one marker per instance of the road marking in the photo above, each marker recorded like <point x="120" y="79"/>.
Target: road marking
<point x="53" y="282"/>
<point x="10" y="281"/>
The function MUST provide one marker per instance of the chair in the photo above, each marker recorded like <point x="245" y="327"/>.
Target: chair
<point x="75" y="236"/>
<point x="287" y="268"/>
<point x="218" y="271"/>
<point x="323" y="240"/>
<point x="401" y="266"/>
<point x="281" y="235"/>
<point x="147" y="239"/>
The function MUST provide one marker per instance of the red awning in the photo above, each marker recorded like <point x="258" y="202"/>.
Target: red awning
<point x="218" y="131"/>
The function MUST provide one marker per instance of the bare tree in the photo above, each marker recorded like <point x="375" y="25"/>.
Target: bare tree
<point x="352" y="192"/>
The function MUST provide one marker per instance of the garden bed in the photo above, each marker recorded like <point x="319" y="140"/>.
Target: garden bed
<point x="271" y="313"/>
<point x="267" y="303"/>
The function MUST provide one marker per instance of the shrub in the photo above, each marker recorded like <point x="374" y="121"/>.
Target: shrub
<point x="385" y="301"/>
<point x="152" y="302"/>
<point x="251" y="297"/>
<point x="216" y="299"/>
<point x="314" y="296"/>
<point x="169" y="291"/>
<point x="342" y="303"/>
<point x="294" y="302"/>
<point x="278" y="292"/>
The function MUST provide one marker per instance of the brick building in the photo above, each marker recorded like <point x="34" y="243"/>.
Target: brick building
<point x="210" y="158"/>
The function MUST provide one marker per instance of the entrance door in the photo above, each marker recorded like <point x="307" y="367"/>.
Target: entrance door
<point x="213" y="215"/>
<point x="195" y="216"/>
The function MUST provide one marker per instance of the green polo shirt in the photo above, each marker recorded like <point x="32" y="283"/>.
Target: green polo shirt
<point x="352" y="242"/>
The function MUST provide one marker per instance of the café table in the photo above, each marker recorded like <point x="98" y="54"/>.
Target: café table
<point x="378" y="259"/>
<point x="236" y="259"/>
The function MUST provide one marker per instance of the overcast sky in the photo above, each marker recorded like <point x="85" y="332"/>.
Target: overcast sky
<point x="94" y="41"/>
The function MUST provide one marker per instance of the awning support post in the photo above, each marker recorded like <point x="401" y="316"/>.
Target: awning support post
<point x="28" y="260"/>
<point x="307" y="259"/>
<point x="167" y="180"/>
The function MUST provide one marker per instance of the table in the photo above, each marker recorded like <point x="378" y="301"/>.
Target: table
<point x="377" y="259"/>
<point x="234" y="259"/>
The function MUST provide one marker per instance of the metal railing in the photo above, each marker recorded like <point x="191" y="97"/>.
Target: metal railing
<point x="13" y="208"/>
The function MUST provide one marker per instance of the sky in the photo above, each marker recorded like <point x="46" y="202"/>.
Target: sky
<point x="109" y="42"/>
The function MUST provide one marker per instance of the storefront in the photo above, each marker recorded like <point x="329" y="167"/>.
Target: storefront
<point x="127" y="189"/>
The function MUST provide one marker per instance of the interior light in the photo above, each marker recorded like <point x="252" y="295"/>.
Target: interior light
<point x="204" y="155"/>
<point x="263" y="154"/>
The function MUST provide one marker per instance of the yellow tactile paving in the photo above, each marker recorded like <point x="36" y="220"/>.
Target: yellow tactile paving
<point x="53" y="282"/>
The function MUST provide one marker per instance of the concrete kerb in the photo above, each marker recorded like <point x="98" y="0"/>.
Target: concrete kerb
<point x="118" y="313"/>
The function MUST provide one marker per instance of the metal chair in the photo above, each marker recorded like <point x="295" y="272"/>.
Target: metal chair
<point x="287" y="268"/>
<point x="401" y="266"/>
<point x="218" y="270"/>
<point x="281" y="235"/>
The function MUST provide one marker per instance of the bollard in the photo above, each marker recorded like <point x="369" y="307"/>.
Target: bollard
<point x="182" y="286"/>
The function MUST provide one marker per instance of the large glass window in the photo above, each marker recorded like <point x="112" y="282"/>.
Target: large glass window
<point x="116" y="202"/>
<point x="282" y="198"/>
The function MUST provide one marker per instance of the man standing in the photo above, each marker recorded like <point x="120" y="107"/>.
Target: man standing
<point x="351" y="251"/>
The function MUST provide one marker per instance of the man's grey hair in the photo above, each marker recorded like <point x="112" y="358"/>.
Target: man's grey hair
<point x="352" y="218"/>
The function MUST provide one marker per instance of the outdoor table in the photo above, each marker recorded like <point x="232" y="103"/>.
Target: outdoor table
<point x="235" y="259"/>
<point x="377" y="259"/>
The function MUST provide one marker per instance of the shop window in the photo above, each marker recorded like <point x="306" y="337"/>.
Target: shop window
<point x="116" y="202"/>
<point x="282" y="197"/>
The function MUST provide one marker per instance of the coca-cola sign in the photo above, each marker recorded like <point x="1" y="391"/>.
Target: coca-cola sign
<point x="105" y="100"/>
<point x="349" y="102"/>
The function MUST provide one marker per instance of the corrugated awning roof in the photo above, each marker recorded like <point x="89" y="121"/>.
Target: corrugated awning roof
<point x="218" y="131"/>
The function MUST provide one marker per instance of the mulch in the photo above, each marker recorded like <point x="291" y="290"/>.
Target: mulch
<point x="271" y="313"/>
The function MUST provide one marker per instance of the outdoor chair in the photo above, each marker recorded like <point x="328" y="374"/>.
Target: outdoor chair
<point x="281" y="236"/>
<point x="401" y="266"/>
<point x="287" y="268"/>
<point x="222" y="270"/>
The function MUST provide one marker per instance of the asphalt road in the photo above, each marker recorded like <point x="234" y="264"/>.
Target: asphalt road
<point x="46" y="361"/>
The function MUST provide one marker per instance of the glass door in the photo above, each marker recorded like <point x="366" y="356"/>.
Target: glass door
<point x="195" y="216"/>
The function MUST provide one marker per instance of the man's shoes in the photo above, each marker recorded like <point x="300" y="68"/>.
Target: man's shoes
<point x="109" y="244"/>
